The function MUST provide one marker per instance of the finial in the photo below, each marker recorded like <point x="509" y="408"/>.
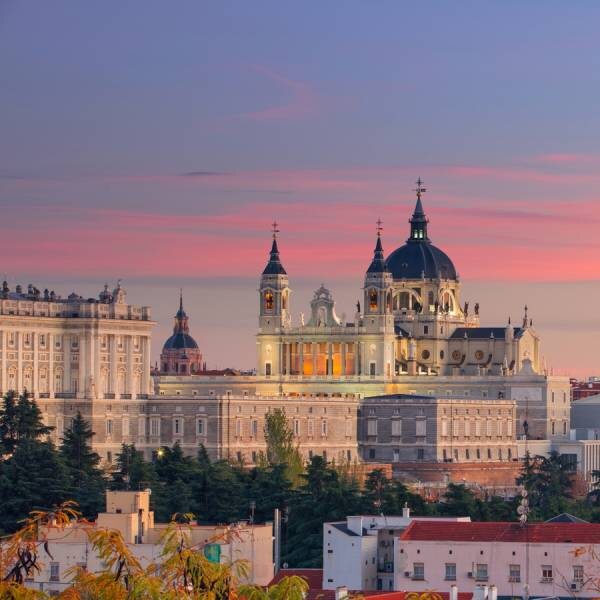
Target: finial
<point x="274" y="229"/>
<point x="420" y="189"/>
<point x="180" y="298"/>
<point x="379" y="227"/>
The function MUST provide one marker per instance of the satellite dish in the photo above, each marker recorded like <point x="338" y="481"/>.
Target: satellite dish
<point x="524" y="502"/>
<point x="524" y="494"/>
<point x="520" y="510"/>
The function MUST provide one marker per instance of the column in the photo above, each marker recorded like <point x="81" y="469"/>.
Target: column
<point x="329" y="368"/>
<point x="96" y="365"/>
<point x="19" y="346"/>
<point x="113" y="363"/>
<point x="67" y="363"/>
<point x="343" y="359"/>
<point x="145" y="376"/>
<point x="82" y="354"/>
<point x="51" y="343"/>
<point x="356" y="358"/>
<point x="313" y="347"/>
<point x="4" y="387"/>
<point x="288" y="358"/>
<point x="129" y="373"/>
<point x="301" y="361"/>
<point x="36" y="365"/>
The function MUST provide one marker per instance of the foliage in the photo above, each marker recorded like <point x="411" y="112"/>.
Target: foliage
<point x="281" y="448"/>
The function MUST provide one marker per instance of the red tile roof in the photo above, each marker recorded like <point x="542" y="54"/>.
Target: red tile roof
<point x="552" y="533"/>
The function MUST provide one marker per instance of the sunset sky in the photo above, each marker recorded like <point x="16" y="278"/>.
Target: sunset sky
<point x="156" y="142"/>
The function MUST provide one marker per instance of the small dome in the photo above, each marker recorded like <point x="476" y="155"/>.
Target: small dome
<point x="420" y="259"/>
<point x="180" y="341"/>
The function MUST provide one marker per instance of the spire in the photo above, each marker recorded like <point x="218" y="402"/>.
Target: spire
<point x="525" y="318"/>
<point x="378" y="263"/>
<point x="274" y="266"/>
<point x="418" y="221"/>
<point x="181" y="318"/>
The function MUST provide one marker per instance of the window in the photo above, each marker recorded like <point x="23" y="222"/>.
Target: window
<point x="268" y="300"/>
<point x="481" y="572"/>
<point x="425" y="330"/>
<point x="109" y="426"/>
<point x="372" y="369"/>
<point x="125" y="425"/>
<point x="324" y="428"/>
<point x="54" y="571"/>
<point x="109" y="457"/>
<point x="450" y="574"/>
<point x="296" y="427"/>
<point x="578" y="573"/>
<point x="419" y="571"/>
<point x="509" y="428"/>
<point x="488" y="428"/>
<point x="396" y="455"/>
<point x="564" y="428"/>
<point x="467" y="454"/>
<point x="444" y="428"/>
<point x="477" y="428"/>
<point x="396" y="427"/>
<point x="455" y="430"/>
<point x="373" y="299"/>
<point x="177" y="426"/>
<point x="489" y="453"/>
<point x="546" y="573"/>
<point x="200" y="428"/>
<point x="514" y="573"/>
<point x="372" y="427"/>
<point x="238" y="428"/>
<point x="420" y="427"/>
<point x="371" y="453"/>
<point x="254" y="428"/>
<point x="553" y="427"/>
<point x="420" y="454"/>
<point x="155" y="427"/>
<point x="268" y="369"/>
<point x="478" y="452"/>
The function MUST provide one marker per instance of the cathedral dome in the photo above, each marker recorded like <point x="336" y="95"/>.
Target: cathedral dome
<point x="180" y="341"/>
<point x="419" y="258"/>
<point x="415" y="260"/>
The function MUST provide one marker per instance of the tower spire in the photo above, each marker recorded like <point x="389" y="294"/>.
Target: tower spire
<point x="274" y="266"/>
<point x="378" y="263"/>
<point x="418" y="221"/>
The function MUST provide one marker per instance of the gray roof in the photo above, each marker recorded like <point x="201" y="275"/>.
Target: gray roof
<point x="481" y="333"/>
<point x="565" y="518"/>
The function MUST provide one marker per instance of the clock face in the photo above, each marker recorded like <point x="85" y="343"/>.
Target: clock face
<point x="456" y="355"/>
<point x="479" y="354"/>
<point x="425" y="354"/>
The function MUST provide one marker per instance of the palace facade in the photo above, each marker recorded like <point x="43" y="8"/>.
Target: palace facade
<point x="411" y="336"/>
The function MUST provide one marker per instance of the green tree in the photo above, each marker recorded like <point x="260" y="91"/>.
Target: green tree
<point x="460" y="501"/>
<point x="87" y="483"/>
<point x="132" y="471"/>
<point x="281" y="447"/>
<point x="32" y="478"/>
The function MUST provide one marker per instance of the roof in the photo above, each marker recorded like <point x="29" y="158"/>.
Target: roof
<point x="565" y="518"/>
<point x="420" y="258"/>
<point x="274" y="266"/>
<point x="314" y="578"/>
<point x="480" y="333"/>
<point x="550" y="533"/>
<point x="180" y="341"/>
<point x="594" y="399"/>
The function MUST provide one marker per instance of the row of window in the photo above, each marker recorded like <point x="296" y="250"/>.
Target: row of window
<point x="481" y="572"/>
<point x="178" y="426"/>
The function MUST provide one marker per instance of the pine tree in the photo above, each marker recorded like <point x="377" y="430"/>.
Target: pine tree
<point x="29" y="422"/>
<point x="86" y="480"/>
<point x="8" y="424"/>
<point x="32" y="478"/>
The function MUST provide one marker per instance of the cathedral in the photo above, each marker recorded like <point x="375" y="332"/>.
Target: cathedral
<point x="412" y="378"/>
<point x="412" y="322"/>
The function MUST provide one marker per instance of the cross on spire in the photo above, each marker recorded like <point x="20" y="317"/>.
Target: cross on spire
<point x="420" y="189"/>
<point x="379" y="227"/>
<point x="274" y="229"/>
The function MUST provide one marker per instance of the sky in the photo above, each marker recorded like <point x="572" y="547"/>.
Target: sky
<point x="155" y="142"/>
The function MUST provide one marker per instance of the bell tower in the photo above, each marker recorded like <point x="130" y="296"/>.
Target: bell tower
<point x="378" y="316"/>
<point x="274" y="311"/>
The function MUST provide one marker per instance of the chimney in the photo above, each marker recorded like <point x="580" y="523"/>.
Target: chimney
<point x="406" y="511"/>
<point x="493" y="594"/>
<point x="486" y="594"/>
<point x="453" y="592"/>
<point x="341" y="593"/>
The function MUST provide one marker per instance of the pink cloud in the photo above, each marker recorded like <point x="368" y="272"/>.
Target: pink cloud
<point x="303" y="100"/>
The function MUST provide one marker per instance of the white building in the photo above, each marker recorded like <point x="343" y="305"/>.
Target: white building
<point x="130" y="514"/>
<point x="536" y="560"/>
<point x="359" y="553"/>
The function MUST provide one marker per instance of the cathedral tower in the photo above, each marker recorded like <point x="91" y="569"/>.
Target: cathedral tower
<point x="274" y="311"/>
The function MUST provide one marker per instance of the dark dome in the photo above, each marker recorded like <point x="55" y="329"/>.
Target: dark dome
<point x="420" y="258"/>
<point x="180" y="341"/>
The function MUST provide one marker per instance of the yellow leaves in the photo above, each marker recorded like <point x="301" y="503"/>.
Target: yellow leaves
<point x="426" y="595"/>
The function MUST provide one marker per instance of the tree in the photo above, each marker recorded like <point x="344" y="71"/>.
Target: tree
<point x="460" y="501"/>
<point x="86" y="481"/>
<point x="20" y="419"/>
<point x="132" y="471"/>
<point x="281" y="447"/>
<point x="32" y="478"/>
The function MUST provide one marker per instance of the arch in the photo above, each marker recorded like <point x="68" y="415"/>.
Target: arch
<point x="373" y="299"/>
<point x="406" y="298"/>
<point x="447" y="299"/>
<point x="269" y="300"/>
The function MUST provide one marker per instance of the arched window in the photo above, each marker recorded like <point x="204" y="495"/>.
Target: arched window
<point x="404" y="300"/>
<point x="388" y="301"/>
<point x="284" y="300"/>
<point x="430" y="299"/>
<point x="268" y="300"/>
<point x="373" y="299"/>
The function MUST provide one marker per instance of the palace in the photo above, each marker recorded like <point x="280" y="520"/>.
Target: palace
<point x="411" y="337"/>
